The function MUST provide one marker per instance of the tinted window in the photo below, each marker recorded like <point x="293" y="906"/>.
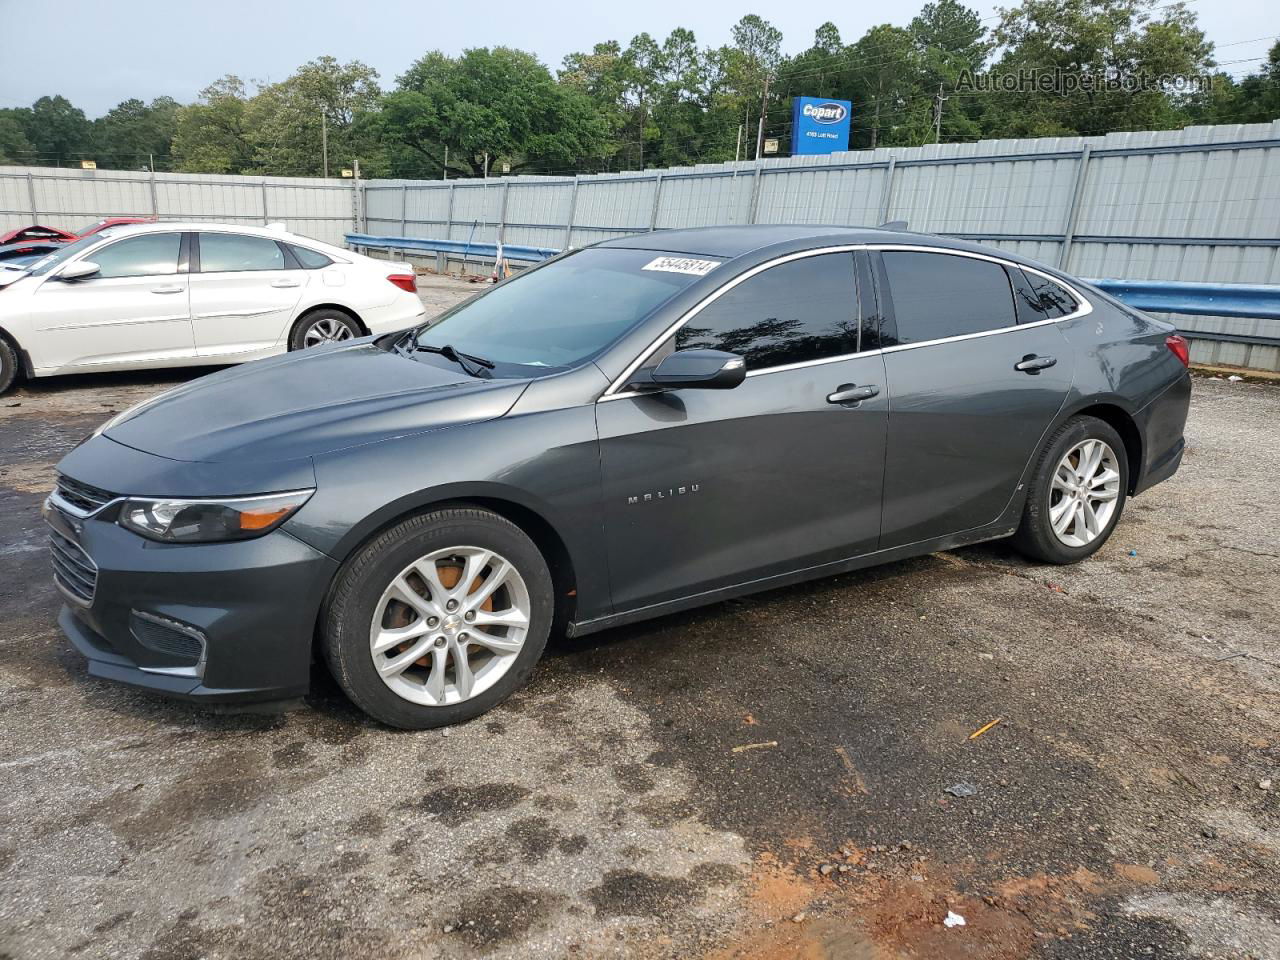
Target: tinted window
<point x="1025" y="300"/>
<point x="803" y="310"/>
<point x="563" y="313"/>
<point x="936" y="296"/>
<point x="1054" y="301"/>
<point x="309" y="259"/>
<point x="148" y="255"/>
<point x="226" y="252"/>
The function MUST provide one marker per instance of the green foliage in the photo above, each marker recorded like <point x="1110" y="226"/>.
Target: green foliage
<point x="669" y="102"/>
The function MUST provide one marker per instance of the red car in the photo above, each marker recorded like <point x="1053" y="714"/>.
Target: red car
<point x="99" y="225"/>
<point x="38" y="239"/>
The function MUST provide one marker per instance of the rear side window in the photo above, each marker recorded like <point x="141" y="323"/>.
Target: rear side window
<point x="937" y="296"/>
<point x="232" y="252"/>
<point x="310" y="259"/>
<point x="148" y="255"/>
<point x="1051" y="299"/>
<point x="803" y="310"/>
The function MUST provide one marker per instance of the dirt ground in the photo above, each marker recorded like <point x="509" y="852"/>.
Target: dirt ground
<point x="766" y="778"/>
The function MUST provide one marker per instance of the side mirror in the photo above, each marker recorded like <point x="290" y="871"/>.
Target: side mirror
<point x="701" y="369"/>
<point x="79" y="270"/>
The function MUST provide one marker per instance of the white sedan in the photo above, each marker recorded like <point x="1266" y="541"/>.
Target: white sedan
<point x="180" y="294"/>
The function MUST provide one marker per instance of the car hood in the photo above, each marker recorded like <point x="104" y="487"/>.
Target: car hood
<point x="308" y="403"/>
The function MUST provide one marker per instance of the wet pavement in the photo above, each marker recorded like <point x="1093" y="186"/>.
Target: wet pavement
<point x="761" y="778"/>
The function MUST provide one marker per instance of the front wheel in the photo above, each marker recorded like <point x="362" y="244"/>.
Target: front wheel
<point x="439" y="619"/>
<point x="1077" y="492"/>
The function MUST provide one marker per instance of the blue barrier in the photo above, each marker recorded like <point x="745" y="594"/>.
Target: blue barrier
<point x="1200" y="299"/>
<point x="1250" y="300"/>
<point x="485" y="251"/>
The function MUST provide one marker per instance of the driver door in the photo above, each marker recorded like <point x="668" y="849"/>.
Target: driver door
<point x="710" y="488"/>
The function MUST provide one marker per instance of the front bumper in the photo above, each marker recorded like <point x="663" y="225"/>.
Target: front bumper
<point x="218" y="622"/>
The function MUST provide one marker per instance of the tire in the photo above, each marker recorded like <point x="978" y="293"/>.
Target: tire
<point x="1046" y="502"/>
<point x="8" y="365"/>
<point x="370" y="585"/>
<point x="322" y="326"/>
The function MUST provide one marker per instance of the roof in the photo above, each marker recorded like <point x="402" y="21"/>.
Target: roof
<point x="739" y="240"/>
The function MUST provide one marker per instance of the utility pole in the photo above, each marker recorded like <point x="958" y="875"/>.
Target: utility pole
<point x="446" y="161"/>
<point x="938" y="101"/>
<point x="486" y="165"/>
<point x="764" y="108"/>
<point x="737" y="149"/>
<point x="324" y="142"/>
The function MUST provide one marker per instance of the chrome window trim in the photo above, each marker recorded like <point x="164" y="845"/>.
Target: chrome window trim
<point x="1084" y="308"/>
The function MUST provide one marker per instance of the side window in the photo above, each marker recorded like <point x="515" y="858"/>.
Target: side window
<point x="803" y="310"/>
<point x="148" y="255"/>
<point x="233" y="252"/>
<point x="936" y="295"/>
<point x="310" y="259"/>
<point x="1054" y="301"/>
<point x="1025" y="300"/>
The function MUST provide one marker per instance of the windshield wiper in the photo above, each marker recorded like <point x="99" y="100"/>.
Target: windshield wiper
<point x="469" y="362"/>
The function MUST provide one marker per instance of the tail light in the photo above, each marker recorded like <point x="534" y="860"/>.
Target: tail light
<point x="405" y="281"/>
<point x="1181" y="349"/>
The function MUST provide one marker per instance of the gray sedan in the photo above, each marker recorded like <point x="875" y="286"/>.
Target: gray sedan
<point x="628" y="430"/>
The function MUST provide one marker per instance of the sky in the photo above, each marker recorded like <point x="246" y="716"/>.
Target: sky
<point x="99" y="52"/>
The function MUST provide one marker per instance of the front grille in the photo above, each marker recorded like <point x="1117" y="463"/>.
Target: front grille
<point x="83" y="496"/>
<point x="166" y="636"/>
<point x="73" y="569"/>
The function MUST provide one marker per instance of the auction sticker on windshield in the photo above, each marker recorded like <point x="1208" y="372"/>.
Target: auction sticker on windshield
<point x="698" y="268"/>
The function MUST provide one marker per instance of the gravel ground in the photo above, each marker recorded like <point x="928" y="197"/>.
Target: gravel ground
<point x="611" y="810"/>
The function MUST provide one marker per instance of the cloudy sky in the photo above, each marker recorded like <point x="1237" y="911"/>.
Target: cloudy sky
<point x="99" y="52"/>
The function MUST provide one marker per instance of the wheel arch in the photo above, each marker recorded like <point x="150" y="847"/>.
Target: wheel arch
<point x="1115" y="414"/>
<point x="529" y="517"/>
<point x="24" y="359"/>
<point x="340" y="307"/>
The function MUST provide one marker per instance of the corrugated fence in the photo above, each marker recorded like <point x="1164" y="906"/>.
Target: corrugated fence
<point x="1201" y="204"/>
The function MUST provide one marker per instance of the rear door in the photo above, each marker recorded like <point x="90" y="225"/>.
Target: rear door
<point x="244" y="290"/>
<point x="134" y="310"/>
<point x="709" y="488"/>
<point x="971" y="390"/>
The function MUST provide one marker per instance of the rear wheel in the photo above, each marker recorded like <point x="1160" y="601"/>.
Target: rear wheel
<point x="323" y="326"/>
<point x="1077" y="492"/>
<point x="439" y="619"/>
<point x="8" y="365"/>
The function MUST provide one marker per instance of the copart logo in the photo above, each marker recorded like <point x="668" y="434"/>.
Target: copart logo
<point x="825" y="112"/>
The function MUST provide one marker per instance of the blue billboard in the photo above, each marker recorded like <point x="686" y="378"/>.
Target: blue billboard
<point x="819" y="126"/>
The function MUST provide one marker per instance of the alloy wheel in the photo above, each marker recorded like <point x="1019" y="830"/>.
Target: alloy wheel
<point x="1084" y="493"/>
<point x="449" y="625"/>
<point x="326" y="330"/>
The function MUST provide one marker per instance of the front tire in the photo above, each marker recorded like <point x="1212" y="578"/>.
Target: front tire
<point x="1077" y="493"/>
<point x="439" y="619"/>
<point x="324" y="326"/>
<point x="8" y="365"/>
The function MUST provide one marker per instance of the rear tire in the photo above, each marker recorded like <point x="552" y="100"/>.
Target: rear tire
<point x="439" y="654"/>
<point x="8" y="365"/>
<point x="1077" y="493"/>
<point x="324" y="326"/>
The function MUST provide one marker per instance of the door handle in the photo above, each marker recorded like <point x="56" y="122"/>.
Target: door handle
<point x="170" y="288"/>
<point x="1033" y="364"/>
<point x="852" y="394"/>
<point x="285" y="283"/>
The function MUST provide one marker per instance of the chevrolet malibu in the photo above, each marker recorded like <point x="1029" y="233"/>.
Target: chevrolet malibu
<point x="175" y="294"/>
<point x="627" y="430"/>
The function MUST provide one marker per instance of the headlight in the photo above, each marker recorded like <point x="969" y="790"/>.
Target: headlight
<point x="209" y="520"/>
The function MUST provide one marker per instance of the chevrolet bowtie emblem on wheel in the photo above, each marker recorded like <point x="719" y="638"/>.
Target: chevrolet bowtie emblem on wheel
<point x="666" y="494"/>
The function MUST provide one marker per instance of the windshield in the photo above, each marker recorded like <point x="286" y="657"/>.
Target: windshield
<point x="562" y="314"/>
<point x="45" y="264"/>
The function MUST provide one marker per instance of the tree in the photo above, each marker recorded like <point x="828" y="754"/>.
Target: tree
<point x="1095" y="39"/>
<point x="499" y="103"/>
<point x="951" y="39"/>
<point x="132" y="132"/>
<point x="891" y="107"/>
<point x="323" y="99"/>
<point x="214" y="134"/>
<point x="14" y="145"/>
<point x="58" y="131"/>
